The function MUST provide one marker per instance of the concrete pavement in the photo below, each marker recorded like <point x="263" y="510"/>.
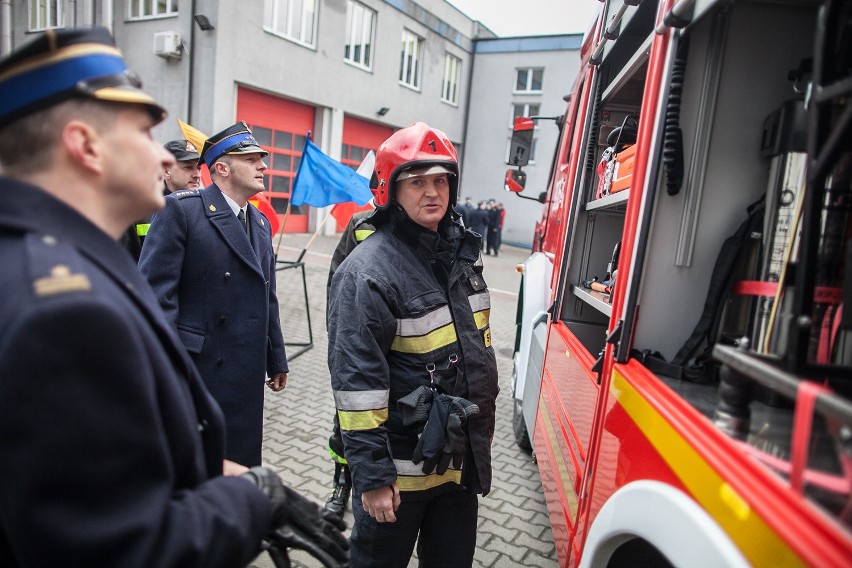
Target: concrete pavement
<point x="514" y="528"/>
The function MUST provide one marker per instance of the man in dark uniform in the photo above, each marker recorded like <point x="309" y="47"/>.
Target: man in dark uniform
<point x="209" y="258"/>
<point x="184" y="174"/>
<point x="479" y="221"/>
<point x="412" y="366"/>
<point x="112" y="447"/>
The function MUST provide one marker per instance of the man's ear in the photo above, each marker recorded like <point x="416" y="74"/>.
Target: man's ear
<point x="221" y="169"/>
<point x="83" y="144"/>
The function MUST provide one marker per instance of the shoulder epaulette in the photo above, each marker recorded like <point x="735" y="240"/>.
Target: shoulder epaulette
<point x="186" y="193"/>
<point x="55" y="268"/>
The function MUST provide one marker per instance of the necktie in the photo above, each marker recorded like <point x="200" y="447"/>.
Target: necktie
<point x="242" y="217"/>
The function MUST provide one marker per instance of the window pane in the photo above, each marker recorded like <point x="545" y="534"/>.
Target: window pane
<point x="299" y="143"/>
<point x="366" y="37"/>
<point x="279" y="203"/>
<point x="281" y="184"/>
<point x="283" y="140"/>
<point x="356" y="153"/>
<point x="537" y="79"/>
<point x="262" y="135"/>
<point x="521" y="83"/>
<point x="281" y="10"/>
<point x="294" y="18"/>
<point x="308" y="22"/>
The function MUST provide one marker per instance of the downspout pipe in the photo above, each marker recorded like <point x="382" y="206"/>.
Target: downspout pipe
<point x="191" y="72"/>
<point x="6" y="30"/>
<point x="467" y="113"/>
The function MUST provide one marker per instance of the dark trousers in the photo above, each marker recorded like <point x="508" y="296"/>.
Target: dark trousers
<point x="446" y="525"/>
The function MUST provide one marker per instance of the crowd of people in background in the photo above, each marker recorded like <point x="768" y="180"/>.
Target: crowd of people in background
<point x="485" y="219"/>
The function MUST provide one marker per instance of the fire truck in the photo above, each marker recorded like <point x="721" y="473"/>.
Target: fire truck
<point x="683" y="361"/>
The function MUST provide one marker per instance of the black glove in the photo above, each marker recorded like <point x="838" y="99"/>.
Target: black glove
<point x="443" y="438"/>
<point x="414" y="407"/>
<point x="298" y="522"/>
<point x="269" y="482"/>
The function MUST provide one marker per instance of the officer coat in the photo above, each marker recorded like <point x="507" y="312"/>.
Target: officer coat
<point x="112" y="448"/>
<point x="217" y="288"/>
<point x="391" y="320"/>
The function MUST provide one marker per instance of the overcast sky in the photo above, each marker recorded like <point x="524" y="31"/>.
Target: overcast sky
<point x="530" y="17"/>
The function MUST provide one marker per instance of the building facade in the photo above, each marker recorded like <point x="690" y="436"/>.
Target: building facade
<point x="350" y="72"/>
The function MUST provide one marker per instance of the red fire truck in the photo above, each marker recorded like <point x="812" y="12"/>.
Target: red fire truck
<point x="683" y="363"/>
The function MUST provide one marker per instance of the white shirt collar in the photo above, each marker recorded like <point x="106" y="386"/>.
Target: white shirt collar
<point x="234" y="207"/>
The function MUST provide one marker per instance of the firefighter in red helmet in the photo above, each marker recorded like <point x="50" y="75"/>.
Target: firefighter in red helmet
<point x="412" y="366"/>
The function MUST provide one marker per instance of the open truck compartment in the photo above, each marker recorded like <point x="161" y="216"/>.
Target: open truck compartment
<point x="684" y="129"/>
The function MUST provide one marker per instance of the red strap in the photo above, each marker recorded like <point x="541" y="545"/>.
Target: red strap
<point x="823" y="352"/>
<point x="822" y="294"/>
<point x="802" y="422"/>
<point x="838" y="315"/>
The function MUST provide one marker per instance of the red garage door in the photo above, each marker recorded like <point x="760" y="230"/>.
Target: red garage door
<point x="280" y="126"/>
<point x="359" y="137"/>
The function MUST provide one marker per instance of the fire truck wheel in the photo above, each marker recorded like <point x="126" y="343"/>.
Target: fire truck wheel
<point x="520" y="428"/>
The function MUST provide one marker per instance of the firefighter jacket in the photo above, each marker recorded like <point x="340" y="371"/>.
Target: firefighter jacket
<point x="406" y="306"/>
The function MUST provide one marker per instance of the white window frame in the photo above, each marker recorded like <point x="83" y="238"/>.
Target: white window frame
<point x="170" y="9"/>
<point x="39" y="20"/>
<point x="530" y="71"/>
<point x="360" y="32"/>
<point x="272" y="9"/>
<point x="411" y="57"/>
<point x="451" y="82"/>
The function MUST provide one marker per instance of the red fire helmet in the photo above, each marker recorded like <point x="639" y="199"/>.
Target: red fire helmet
<point x="414" y="147"/>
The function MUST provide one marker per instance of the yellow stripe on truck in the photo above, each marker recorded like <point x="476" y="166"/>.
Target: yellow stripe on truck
<point x="755" y="539"/>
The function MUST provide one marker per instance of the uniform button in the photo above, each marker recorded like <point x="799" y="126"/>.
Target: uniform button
<point x="219" y="362"/>
<point x="202" y="426"/>
<point x="49" y="240"/>
<point x="227" y="275"/>
<point x="221" y="319"/>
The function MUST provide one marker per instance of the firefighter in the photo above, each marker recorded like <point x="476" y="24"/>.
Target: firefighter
<point x="412" y="367"/>
<point x="358" y="229"/>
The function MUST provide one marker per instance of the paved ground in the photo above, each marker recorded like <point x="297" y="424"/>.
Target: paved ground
<point x="514" y="529"/>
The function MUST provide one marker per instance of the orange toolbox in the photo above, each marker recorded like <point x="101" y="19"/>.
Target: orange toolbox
<point x="623" y="174"/>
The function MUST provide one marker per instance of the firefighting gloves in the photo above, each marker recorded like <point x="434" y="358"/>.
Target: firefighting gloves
<point x="298" y="522"/>
<point x="443" y="438"/>
<point x="414" y="407"/>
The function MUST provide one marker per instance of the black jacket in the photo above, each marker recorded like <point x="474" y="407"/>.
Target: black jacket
<point x="112" y="447"/>
<point x="402" y="300"/>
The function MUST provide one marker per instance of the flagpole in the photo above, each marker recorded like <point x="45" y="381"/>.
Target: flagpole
<point x="319" y="228"/>
<point x="281" y="228"/>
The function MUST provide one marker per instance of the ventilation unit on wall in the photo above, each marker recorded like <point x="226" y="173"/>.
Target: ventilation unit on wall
<point x="167" y="45"/>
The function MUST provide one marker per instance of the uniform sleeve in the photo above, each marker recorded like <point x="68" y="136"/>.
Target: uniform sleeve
<point x="91" y="463"/>
<point x="163" y="254"/>
<point x="360" y="332"/>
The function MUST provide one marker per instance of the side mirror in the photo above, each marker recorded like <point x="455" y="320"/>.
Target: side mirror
<point x="515" y="181"/>
<point x="522" y="136"/>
